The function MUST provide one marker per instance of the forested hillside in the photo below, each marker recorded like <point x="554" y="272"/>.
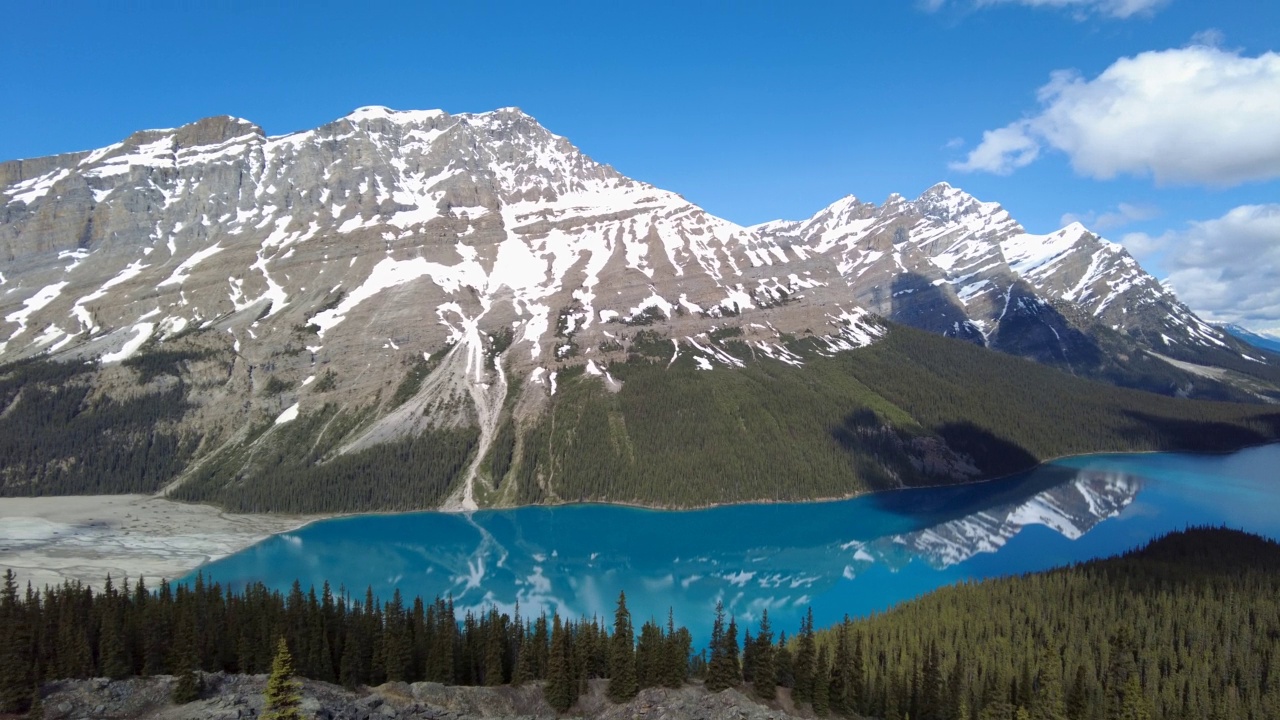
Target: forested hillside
<point x="1188" y="627"/>
<point x="911" y="409"/>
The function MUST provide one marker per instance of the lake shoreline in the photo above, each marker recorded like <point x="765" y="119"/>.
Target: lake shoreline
<point x="48" y="540"/>
<point x="83" y="538"/>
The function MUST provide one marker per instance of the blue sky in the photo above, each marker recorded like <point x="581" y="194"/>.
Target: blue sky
<point x="752" y="110"/>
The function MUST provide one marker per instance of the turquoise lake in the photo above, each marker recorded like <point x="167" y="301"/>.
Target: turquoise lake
<point x="850" y="557"/>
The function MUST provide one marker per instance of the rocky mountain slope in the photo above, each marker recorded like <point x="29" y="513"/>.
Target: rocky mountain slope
<point x="395" y="274"/>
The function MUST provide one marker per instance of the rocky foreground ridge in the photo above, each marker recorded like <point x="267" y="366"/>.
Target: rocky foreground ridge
<point x="393" y="273"/>
<point x="232" y="697"/>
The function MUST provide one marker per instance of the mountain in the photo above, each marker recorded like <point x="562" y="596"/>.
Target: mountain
<point x="1262" y="342"/>
<point x="398" y="285"/>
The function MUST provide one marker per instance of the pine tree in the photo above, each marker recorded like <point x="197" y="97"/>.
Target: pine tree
<point x="622" y="656"/>
<point x="15" y="645"/>
<point x="765" y="673"/>
<point x="805" y="661"/>
<point x="541" y="648"/>
<point x="559" y="689"/>
<point x="722" y="668"/>
<point x="522" y="672"/>
<point x="821" y="683"/>
<point x="1048" y="702"/>
<point x="785" y="663"/>
<point x="493" y="651"/>
<point x="732" y="652"/>
<point x="650" y="656"/>
<point x="931" y="686"/>
<point x="1121" y="670"/>
<point x="679" y="643"/>
<point x="187" y="687"/>
<point x="283" y="697"/>
<point x="1078" y="697"/>
<point x="112" y="651"/>
<point x="841" y="670"/>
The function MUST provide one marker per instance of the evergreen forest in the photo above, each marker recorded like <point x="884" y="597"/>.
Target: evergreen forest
<point x="912" y="409"/>
<point x="1186" y="627"/>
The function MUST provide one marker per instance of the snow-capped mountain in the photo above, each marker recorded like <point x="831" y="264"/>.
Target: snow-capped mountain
<point x="328" y="264"/>
<point x="950" y="263"/>
<point x="1264" y="341"/>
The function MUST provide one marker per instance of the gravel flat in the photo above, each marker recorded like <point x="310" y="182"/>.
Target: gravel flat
<point x="84" y="537"/>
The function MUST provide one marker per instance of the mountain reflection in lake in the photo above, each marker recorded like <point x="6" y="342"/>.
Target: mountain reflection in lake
<point x="850" y="557"/>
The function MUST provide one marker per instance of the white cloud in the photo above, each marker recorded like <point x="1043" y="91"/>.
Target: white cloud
<point x="1211" y="37"/>
<point x="1112" y="8"/>
<point x="1124" y="214"/>
<point x="1226" y="269"/>
<point x="1002" y="151"/>
<point x="1196" y="115"/>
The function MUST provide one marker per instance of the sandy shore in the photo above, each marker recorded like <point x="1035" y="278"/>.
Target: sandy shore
<point x="50" y="539"/>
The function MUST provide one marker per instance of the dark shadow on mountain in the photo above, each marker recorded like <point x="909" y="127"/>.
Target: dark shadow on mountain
<point x="877" y="451"/>
<point x="1036" y="330"/>
<point x="916" y="301"/>
<point x="993" y="455"/>
<point x="1203" y="436"/>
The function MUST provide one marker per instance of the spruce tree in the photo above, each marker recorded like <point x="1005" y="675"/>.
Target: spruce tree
<point x="722" y="672"/>
<point x="841" y="671"/>
<point x="821" y="683"/>
<point x="732" y="652"/>
<point x="622" y="657"/>
<point x="541" y="648"/>
<point x="559" y="689"/>
<point x="187" y="687"/>
<point x="112" y="652"/>
<point x="765" y="674"/>
<point x="493" y="651"/>
<point x="1048" y="702"/>
<point x="805" y="662"/>
<point x="931" y="687"/>
<point x="785" y="662"/>
<point x="650" y="656"/>
<point x="679" y="643"/>
<point x="522" y="672"/>
<point x="16" y="676"/>
<point x="283" y="697"/>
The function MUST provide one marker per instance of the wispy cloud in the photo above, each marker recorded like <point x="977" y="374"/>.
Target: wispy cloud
<point x="1197" y="115"/>
<point x="1124" y="214"/>
<point x="1120" y="9"/>
<point x="1224" y="268"/>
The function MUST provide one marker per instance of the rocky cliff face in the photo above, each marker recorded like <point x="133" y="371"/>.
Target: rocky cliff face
<point x="326" y="267"/>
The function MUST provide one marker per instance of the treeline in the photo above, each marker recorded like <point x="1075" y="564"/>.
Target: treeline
<point x="1188" y="627"/>
<point x="71" y="631"/>
<point x="911" y="409"/>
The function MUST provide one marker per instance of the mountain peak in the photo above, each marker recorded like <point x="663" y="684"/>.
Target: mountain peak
<point x="381" y="112"/>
